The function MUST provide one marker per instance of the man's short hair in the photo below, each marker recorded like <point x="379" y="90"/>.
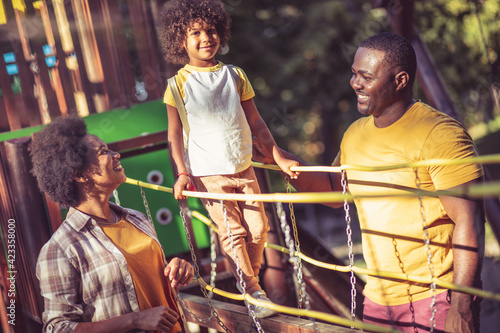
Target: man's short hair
<point x="399" y="53"/>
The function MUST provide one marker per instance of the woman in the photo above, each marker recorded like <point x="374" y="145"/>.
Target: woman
<point x="103" y="270"/>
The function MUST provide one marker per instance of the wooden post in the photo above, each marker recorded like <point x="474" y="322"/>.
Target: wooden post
<point x="146" y="44"/>
<point x="90" y="53"/>
<point x="117" y="66"/>
<point x="54" y="71"/>
<point x="8" y="98"/>
<point x="30" y="58"/>
<point x="4" y="121"/>
<point x="31" y="226"/>
<point x="71" y="62"/>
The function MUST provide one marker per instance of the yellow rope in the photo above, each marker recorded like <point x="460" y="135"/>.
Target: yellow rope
<point x="298" y="312"/>
<point x="486" y="159"/>
<point x="392" y="275"/>
<point x="476" y="190"/>
<point x="205" y="220"/>
<point x="472" y="191"/>
<point x="371" y="272"/>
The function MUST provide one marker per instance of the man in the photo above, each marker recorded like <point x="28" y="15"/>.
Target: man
<point x="399" y="130"/>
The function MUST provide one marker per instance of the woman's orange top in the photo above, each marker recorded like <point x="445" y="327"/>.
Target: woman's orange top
<point x="146" y="265"/>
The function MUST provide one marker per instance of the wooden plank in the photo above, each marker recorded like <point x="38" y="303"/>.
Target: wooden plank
<point x="8" y="98"/>
<point x="27" y="89"/>
<point x="139" y="141"/>
<point x="110" y="37"/>
<point x="54" y="212"/>
<point x="64" y="72"/>
<point x="146" y="43"/>
<point x="23" y="25"/>
<point x="431" y="81"/>
<point x="86" y="84"/>
<point x="9" y="10"/>
<point x="149" y="149"/>
<point x="4" y="122"/>
<point x="236" y="318"/>
<point x="43" y="71"/>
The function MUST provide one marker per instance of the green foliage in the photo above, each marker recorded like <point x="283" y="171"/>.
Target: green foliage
<point x="452" y="32"/>
<point x="298" y="54"/>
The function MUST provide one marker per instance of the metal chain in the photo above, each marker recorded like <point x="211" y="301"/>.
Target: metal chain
<point x="408" y="289"/>
<point x="427" y="242"/>
<point x="350" y="246"/>
<point x="253" y="327"/>
<point x="213" y="312"/>
<point x="213" y="263"/>
<point x="146" y="205"/>
<point x="238" y="268"/>
<point x="294" y="259"/>
<point x="300" y="296"/>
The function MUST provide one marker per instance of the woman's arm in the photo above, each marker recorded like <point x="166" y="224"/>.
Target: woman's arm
<point x="60" y="287"/>
<point x="261" y="133"/>
<point x="176" y="148"/>
<point x="160" y="318"/>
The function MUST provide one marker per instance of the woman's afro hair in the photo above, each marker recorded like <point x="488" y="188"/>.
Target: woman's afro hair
<point x="179" y="15"/>
<point x="58" y="155"/>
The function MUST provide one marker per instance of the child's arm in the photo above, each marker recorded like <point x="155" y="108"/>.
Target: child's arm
<point x="176" y="147"/>
<point x="261" y="133"/>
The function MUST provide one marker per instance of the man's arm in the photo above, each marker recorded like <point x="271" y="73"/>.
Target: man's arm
<point x="468" y="242"/>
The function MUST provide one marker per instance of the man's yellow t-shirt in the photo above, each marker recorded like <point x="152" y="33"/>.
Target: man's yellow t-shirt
<point x="392" y="227"/>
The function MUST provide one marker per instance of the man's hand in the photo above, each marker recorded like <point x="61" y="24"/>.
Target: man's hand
<point x="179" y="271"/>
<point x="459" y="321"/>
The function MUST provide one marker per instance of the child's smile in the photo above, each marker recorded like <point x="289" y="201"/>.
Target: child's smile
<point x="202" y="43"/>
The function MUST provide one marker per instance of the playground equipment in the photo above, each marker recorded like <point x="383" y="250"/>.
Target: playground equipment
<point x="52" y="69"/>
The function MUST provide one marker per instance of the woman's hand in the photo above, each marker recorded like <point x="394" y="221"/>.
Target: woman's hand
<point x="160" y="318"/>
<point x="179" y="271"/>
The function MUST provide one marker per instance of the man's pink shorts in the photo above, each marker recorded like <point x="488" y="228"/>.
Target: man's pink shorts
<point x="412" y="317"/>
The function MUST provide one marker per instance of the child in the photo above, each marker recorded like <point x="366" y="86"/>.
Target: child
<point x="222" y="119"/>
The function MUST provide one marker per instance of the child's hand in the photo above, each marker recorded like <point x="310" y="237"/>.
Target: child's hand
<point x="285" y="165"/>
<point x="182" y="183"/>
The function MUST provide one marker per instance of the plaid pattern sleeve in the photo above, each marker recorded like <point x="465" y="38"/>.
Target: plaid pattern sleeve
<point x="59" y="283"/>
<point x="83" y="276"/>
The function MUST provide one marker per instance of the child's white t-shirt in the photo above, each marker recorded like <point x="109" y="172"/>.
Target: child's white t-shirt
<point x="220" y="140"/>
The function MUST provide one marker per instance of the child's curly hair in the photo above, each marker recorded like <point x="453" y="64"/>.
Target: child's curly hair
<point x="179" y="15"/>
